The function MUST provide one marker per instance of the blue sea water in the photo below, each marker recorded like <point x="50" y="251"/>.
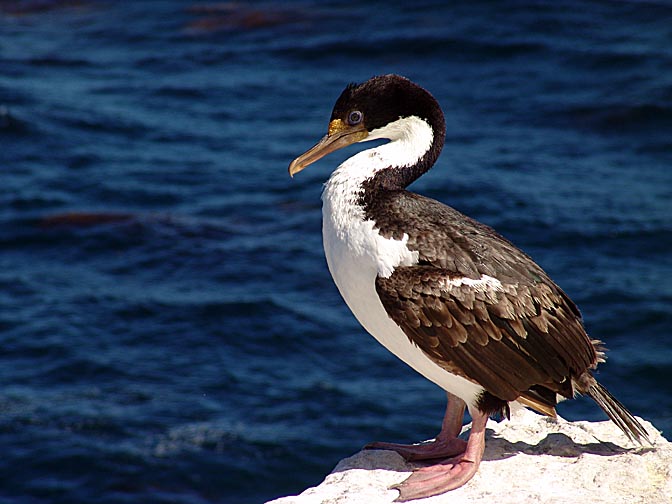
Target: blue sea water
<point x="169" y="332"/>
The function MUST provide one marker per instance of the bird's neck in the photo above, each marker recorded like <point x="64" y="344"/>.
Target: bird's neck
<point x="414" y="146"/>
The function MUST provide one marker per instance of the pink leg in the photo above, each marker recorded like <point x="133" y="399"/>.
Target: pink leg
<point x="448" y="474"/>
<point x="446" y="443"/>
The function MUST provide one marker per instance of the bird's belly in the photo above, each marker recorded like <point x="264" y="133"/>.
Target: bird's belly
<point x="354" y="273"/>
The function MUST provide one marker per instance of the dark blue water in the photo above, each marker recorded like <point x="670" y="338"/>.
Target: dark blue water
<point x="169" y="332"/>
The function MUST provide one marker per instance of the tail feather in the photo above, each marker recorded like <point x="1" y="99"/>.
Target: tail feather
<point x="616" y="411"/>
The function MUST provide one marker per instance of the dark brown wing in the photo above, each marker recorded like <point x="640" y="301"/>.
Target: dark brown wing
<point x="507" y="336"/>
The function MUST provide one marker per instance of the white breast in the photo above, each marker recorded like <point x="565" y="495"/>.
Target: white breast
<point x="356" y="253"/>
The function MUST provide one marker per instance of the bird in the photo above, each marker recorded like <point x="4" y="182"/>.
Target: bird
<point x="446" y="294"/>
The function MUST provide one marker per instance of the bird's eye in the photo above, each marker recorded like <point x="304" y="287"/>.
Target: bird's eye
<point x="355" y="117"/>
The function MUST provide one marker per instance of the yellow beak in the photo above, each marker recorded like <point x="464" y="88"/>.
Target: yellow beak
<point x="339" y="135"/>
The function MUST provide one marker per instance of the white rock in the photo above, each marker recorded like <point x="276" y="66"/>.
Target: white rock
<point x="530" y="459"/>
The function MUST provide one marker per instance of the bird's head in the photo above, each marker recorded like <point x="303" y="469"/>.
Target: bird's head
<point x="372" y="110"/>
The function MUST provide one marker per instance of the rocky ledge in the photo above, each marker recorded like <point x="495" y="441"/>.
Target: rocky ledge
<point x="529" y="459"/>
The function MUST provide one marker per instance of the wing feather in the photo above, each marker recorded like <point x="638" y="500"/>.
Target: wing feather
<point x="519" y="335"/>
<point x="509" y="339"/>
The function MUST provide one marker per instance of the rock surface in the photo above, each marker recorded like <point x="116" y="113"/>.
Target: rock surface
<point x="528" y="459"/>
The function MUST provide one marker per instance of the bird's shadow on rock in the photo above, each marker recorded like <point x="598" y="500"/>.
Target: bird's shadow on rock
<point x="555" y="444"/>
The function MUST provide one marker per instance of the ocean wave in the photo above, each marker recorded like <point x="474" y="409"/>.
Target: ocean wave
<point x="615" y="118"/>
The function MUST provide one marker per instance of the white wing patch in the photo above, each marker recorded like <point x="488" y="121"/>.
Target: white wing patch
<point x="483" y="284"/>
